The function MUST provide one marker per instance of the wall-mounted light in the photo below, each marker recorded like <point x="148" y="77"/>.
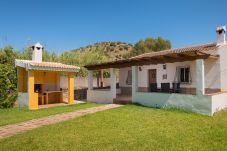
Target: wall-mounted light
<point x="164" y="76"/>
<point x="164" y="66"/>
<point x="140" y="68"/>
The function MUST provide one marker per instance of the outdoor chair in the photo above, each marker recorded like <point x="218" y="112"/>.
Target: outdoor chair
<point x="176" y="87"/>
<point x="153" y="87"/>
<point x="165" y="87"/>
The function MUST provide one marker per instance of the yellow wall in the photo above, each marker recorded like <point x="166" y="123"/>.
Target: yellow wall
<point x="42" y="77"/>
<point x="51" y="80"/>
<point x="32" y="97"/>
<point x="223" y="89"/>
<point x="70" y="88"/>
<point x="27" y="80"/>
<point x="22" y="79"/>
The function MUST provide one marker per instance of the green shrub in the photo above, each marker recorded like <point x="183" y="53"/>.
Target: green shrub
<point x="8" y="86"/>
<point x="112" y="44"/>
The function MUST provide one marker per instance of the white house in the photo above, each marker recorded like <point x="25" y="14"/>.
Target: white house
<point x="191" y="78"/>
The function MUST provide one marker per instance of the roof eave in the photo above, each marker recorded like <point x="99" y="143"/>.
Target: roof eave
<point x="28" y="66"/>
<point x="52" y="69"/>
<point x="147" y="61"/>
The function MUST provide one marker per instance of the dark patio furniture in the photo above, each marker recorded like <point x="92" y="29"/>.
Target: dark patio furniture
<point x="165" y="87"/>
<point x="153" y="87"/>
<point x="176" y="87"/>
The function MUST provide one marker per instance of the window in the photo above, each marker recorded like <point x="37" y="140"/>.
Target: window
<point x="184" y="75"/>
<point x="129" y="78"/>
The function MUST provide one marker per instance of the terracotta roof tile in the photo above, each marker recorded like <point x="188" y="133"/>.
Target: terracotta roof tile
<point x="206" y="48"/>
<point x="29" y="64"/>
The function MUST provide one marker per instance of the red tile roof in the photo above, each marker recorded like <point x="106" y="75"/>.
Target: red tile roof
<point x="206" y="49"/>
<point x="29" y="64"/>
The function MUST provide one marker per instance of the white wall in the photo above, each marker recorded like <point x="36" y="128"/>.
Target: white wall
<point x="170" y="71"/>
<point x="223" y="65"/>
<point x="212" y="74"/>
<point x="123" y="74"/>
<point x="22" y="99"/>
<point x="81" y="82"/>
<point x="193" y="103"/>
<point x="100" y="96"/>
<point x="219" y="102"/>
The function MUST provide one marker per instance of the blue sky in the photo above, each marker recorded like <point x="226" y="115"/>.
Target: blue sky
<point x="66" y="24"/>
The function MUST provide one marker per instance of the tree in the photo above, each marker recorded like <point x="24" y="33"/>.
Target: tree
<point x="8" y="80"/>
<point x="81" y="58"/>
<point x="49" y="57"/>
<point x="8" y="55"/>
<point x="8" y="89"/>
<point x="150" y="45"/>
<point x="26" y="54"/>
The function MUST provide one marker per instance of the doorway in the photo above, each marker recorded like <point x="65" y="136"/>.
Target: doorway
<point x="152" y="80"/>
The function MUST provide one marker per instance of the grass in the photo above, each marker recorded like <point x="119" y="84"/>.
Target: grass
<point x="15" y="115"/>
<point x="129" y="127"/>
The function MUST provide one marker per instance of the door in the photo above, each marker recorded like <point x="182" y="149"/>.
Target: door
<point x="152" y="80"/>
<point x="152" y="76"/>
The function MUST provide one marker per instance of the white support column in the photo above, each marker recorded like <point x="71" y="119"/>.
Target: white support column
<point x="113" y="83"/>
<point x="200" y="80"/>
<point x="90" y="79"/>
<point x="134" y="81"/>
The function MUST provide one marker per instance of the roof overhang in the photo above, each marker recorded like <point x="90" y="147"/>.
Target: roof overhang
<point x="168" y="56"/>
<point x="45" y="66"/>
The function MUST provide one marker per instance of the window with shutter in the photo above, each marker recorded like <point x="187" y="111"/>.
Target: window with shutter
<point x="184" y="75"/>
<point x="129" y="78"/>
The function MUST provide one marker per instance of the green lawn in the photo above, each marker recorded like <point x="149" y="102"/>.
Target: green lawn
<point x="15" y="115"/>
<point x="128" y="128"/>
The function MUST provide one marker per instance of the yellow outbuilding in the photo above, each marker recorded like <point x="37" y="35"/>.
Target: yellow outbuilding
<point x="39" y="82"/>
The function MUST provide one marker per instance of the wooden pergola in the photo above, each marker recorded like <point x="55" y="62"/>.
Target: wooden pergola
<point x="162" y="57"/>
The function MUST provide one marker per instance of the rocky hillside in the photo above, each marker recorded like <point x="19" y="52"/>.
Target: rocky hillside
<point x="114" y="50"/>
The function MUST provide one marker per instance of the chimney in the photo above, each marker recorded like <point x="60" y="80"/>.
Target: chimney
<point x="37" y="52"/>
<point x="220" y="35"/>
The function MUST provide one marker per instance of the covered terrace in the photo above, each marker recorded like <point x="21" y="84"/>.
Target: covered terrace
<point x="195" y="54"/>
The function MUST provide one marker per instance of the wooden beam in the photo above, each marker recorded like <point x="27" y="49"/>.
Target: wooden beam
<point x="171" y="58"/>
<point x="101" y="72"/>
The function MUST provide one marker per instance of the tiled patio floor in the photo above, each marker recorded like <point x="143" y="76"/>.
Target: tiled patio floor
<point x="58" y="104"/>
<point x="51" y="105"/>
<point x="9" y="130"/>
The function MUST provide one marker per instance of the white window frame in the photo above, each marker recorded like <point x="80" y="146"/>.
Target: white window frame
<point x="189" y="76"/>
<point x="129" y="78"/>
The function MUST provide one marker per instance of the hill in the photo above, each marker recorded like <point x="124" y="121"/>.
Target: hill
<point x="110" y="51"/>
<point x="113" y="50"/>
<point x="96" y="53"/>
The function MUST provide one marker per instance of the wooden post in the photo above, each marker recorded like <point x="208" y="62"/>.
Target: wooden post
<point x="98" y="76"/>
<point x="32" y="96"/>
<point x="101" y="72"/>
<point x="70" y="88"/>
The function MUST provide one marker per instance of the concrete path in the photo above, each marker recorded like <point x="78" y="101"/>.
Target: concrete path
<point x="9" y="130"/>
